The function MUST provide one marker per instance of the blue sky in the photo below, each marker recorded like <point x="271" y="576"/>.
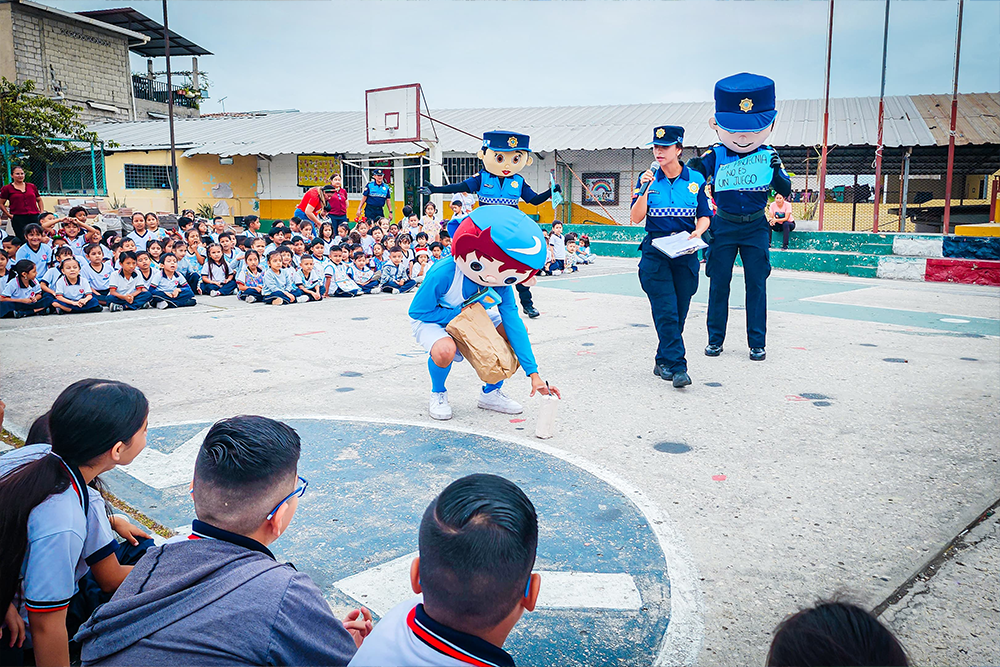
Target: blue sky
<point x="321" y="55"/>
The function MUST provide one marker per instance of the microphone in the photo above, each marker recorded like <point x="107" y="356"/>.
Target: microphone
<point x="645" y="186"/>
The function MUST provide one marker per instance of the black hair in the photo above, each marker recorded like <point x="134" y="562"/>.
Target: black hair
<point x="407" y="211"/>
<point x="90" y="246"/>
<point x="358" y="254"/>
<point x="242" y="471"/>
<point x="221" y="262"/>
<point x="86" y="420"/>
<point x="63" y="250"/>
<point x="184" y="221"/>
<point x="315" y="242"/>
<point x="395" y="248"/>
<point x="404" y="237"/>
<point x="33" y="227"/>
<point x="556" y="222"/>
<point x="297" y="239"/>
<point x="422" y="235"/>
<point x="14" y="240"/>
<point x="251" y="252"/>
<point x="22" y="268"/>
<point x="336" y="246"/>
<point x="273" y="253"/>
<point x="62" y="264"/>
<point x="141" y="253"/>
<point x="229" y="234"/>
<point x="477" y="547"/>
<point x="285" y="248"/>
<point x="39" y="433"/>
<point x="76" y="209"/>
<point x="570" y="236"/>
<point x="108" y="235"/>
<point x="443" y="234"/>
<point x="127" y="254"/>
<point x="354" y="237"/>
<point x="276" y="230"/>
<point x="832" y="633"/>
<point x="435" y="245"/>
<point x="217" y="217"/>
<point x="247" y="219"/>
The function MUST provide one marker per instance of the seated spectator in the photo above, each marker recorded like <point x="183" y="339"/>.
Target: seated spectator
<point x="250" y="281"/>
<point x="419" y="268"/>
<point x="22" y="296"/>
<point x="73" y="293"/>
<point x="127" y="291"/>
<point x="220" y="597"/>
<point x="278" y="283"/>
<point x="308" y="281"/>
<point x="834" y="634"/>
<point x="171" y="289"/>
<point x="779" y="216"/>
<point x="365" y="277"/>
<point x="395" y="277"/>
<point x="477" y="547"/>
<point x="217" y="278"/>
<point x="583" y="254"/>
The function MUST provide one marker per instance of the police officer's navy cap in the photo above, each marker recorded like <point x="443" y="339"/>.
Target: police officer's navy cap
<point x="744" y="102"/>
<point x="667" y="135"/>
<point x="502" y="141"/>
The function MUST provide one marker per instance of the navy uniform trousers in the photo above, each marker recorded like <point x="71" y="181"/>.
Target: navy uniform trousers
<point x="669" y="284"/>
<point x="752" y="241"/>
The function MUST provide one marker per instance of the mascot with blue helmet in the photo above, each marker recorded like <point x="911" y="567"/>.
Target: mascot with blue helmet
<point x="494" y="248"/>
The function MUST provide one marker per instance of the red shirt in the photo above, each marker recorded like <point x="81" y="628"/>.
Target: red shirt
<point x="311" y="197"/>
<point x="337" y="202"/>
<point x="21" y="203"/>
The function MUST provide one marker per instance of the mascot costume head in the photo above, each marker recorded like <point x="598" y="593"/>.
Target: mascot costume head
<point x="744" y="111"/>
<point x="497" y="246"/>
<point x="504" y="154"/>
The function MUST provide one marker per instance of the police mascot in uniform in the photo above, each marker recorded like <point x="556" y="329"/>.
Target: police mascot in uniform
<point x="494" y="247"/>
<point x="740" y="184"/>
<point x="504" y="156"/>
<point x="672" y="200"/>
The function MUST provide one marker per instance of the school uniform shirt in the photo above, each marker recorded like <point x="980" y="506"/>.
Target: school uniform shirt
<point x="214" y="272"/>
<point x="67" y="533"/>
<point x="14" y="290"/>
<point x="158" y="234"/>
<point x="367" y="244"/>
<point x="169" y="284"/>
<point x="189" y="265"/>
<point x="40" y="257"/>
<point x="320" y="264"/>
<point x="126" y="286"/>
<point x="77" y="246"/>
<point x="235" y="260"/>
<point x="141" y="240"/>
<point x="558" y="244"/>
<point x="310" y="282"/>
<point x="51" y="276"/>
<point x="99" y="280"/>
<point x="76" y="292"/>
<point x="408" y="637"/>
<point x="148" y="281"/>
<point x="360" y="276"/>
<point x="278" y="282"/>
<point x="395" y="273"/>
<point x="251" y="280"/>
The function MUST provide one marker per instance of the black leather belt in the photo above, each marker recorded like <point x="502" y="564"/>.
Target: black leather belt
<point x="740" y="218"/>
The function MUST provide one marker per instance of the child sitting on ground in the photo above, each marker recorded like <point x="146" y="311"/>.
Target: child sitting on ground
<point x="144" y="267"/>
<point x="583" y="254"/>
<point x="36" y="248"/>
<point x="308" y="281"/>
<point x="127" y="291"/>
<point x="477" y="546"/>
<point x="340" y="281"/>
<point x="48" y="279"/>
<point x="571" y="248"/>
<point x="216" y="276"/>
<point x="250" y="281"/>
<point x="73" y="293"/>
<point x="97" y="271"/>
<point x="395" y="277"/>
<point x="22" y="296"/>
<point x="278" y="283"/>
<point x="171" y="289"/>
<point x="363" y="276"/>
<point x="420" y="267"/>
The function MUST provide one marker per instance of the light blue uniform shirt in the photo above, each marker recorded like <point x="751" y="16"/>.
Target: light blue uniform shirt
<point x="40" y="257"/>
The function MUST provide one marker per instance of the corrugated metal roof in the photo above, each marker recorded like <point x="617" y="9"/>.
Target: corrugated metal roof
<point x="853" y="121"/>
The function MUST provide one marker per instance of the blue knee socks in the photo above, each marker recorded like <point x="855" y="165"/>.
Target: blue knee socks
<point x="438" y="375"/>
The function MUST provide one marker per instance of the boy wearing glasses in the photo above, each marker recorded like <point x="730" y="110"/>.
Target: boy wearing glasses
<point x="477" y="547"/>
<point x="219" y="596"/>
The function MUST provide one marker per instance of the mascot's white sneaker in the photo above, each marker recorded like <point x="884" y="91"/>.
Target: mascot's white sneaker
<point x="439" y="408"/>
<point x="498" y="401"/>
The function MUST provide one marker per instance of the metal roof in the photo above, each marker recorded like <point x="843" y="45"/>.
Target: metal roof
<point x="978" y="119"/>
<point x="136" y="21"/>
<point x="853" y="122"/>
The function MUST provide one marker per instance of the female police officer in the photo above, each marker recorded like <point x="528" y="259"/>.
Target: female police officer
<point x="671" y="199"/>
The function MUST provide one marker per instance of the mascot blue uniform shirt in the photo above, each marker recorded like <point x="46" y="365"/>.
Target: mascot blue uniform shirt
<point x="669" y="283"/>
<point x="744" y="103"/>
<point x="377" y="196"/>
<point x="502" y="190"/>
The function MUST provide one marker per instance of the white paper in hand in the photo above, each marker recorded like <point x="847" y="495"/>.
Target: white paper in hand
<point x="678" y="244"/>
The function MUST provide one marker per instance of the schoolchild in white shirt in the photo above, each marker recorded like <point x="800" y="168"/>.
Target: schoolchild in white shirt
<point x="340" y="282"/>
<point x="97" y="270"/>
<point x="250" y="281"/>
<point x="148" y="276"/>
<point x="75" y="230"/>
<point x="21" y="295"/>
<point x="72" y="291"/>
<point x="35" y="248"/>
<point x="477" y="549"/>
<point x="171" y="289"/>
<point x="365" y="277"/>
<point x="127" y="289"/>
<point x="51" y="275"/>
<point x="216" y="277"/>
<point x="279" y="283"/>
<point x="308" y="281"/>
<point x="153" y="227"/>
<point x="139" y="234"/>
<point x="155" y="250"/>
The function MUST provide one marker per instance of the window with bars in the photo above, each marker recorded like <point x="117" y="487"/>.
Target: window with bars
<point x="354" y="179"/>
<point x="461" y="168"/>
<point x="149" y="177"/>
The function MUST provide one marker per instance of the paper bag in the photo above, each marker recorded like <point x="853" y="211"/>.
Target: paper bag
<point x="482" y="345"/>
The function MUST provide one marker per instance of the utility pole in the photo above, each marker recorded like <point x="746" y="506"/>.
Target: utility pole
<point x="826" y="117"/>
<point x="954" y="119"/>
<point x="170" y="108"/>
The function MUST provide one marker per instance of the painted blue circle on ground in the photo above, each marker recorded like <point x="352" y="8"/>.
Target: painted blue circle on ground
<point x="370" y="483"/>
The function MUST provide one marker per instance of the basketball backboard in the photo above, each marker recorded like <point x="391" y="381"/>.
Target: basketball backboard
<point x="392" y="114"/>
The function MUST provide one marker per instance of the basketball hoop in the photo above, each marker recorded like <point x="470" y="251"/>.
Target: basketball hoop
<point x="392" y="114"/>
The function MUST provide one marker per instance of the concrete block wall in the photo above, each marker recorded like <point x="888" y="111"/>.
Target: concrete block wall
<point x="79" y="61"/>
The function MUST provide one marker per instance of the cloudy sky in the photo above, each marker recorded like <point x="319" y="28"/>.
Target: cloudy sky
<point x="321" y="55"/>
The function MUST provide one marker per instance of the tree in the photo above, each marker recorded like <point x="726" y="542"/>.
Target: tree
<point x="24" y="113"/>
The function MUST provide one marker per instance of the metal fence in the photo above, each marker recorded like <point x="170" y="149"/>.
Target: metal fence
<point x="153" y="90"/>
<point x="56" y="166"/>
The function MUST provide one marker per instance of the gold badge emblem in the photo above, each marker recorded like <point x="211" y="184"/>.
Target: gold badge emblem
<point x="746" y="104"/>
<point x="660" y="132"/>
<point x="693" y="188"/>
<point x="512" y="142"/>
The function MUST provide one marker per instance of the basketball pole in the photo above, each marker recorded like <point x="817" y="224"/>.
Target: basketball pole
<point x="880" y="147"/>
<point x="826" y="117"/>
<point x="951" y="134"/>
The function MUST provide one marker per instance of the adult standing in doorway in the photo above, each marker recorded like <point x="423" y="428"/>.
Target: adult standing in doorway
<point x="672" y="199"/>
<point x="20" y="201"/>
<point x="336" y="200"/>
<point x="374" y="197"/>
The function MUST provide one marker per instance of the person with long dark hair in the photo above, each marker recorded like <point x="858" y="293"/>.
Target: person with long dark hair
<point x="54" y="527"/>
<point x="20" y="201"/>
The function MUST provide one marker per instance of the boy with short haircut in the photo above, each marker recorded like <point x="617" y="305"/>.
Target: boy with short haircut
<point x="570" y="265"/>
<point x="558" y="245"/>
<point x="340" y="281"/>
<point x="445" y="239"/>
<point x="436" y="251"/>
<point x="395" y="276"/>
<point x="218" y="226"/>
<point x="365" y="277"/>
<point x="233" y="257"/>
<point x="477" y="548"/>
<point x="277" y="236"/>
<point x="308" y="281"/>
<point x="219" y="596"/>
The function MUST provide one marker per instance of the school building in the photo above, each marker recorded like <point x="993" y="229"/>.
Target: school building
<point x="261" y="163"/>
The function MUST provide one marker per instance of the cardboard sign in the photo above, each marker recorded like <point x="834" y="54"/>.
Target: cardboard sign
<point x="752" y="172"/>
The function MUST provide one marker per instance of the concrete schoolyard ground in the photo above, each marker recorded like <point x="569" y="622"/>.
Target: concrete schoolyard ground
<point x="677" y="526"/>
